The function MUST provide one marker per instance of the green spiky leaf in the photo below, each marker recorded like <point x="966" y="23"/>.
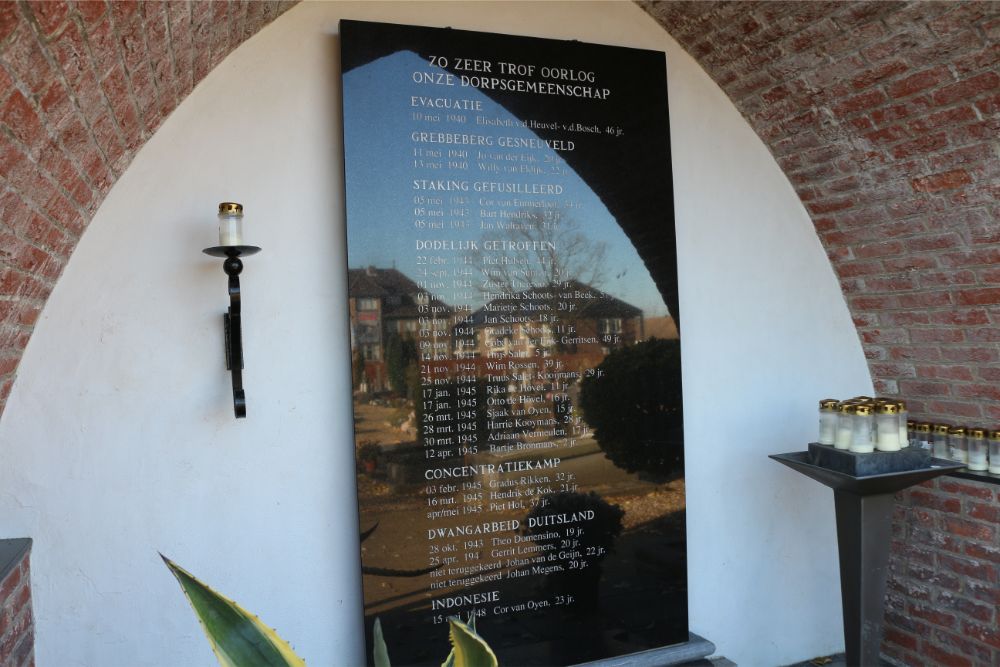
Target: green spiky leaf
<point x="237" y="637"/>
<point x="467" y="648"/>
<point x="381" y="653"/>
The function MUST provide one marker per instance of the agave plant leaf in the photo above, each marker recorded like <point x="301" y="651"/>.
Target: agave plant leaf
<point x="238" y="638"/>
<point x="467" y="648"/>
<point x="381" y="652"/>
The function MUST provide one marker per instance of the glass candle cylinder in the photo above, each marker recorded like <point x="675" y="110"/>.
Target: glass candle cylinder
<point x="904" y="440"/>
<point x="887" y="427"/>
<point x="977" y="449"/>
<point x="861" y="436"/>
<point x="922" y="432"/>
<point x="845" y="426"/>
<point x="874" y="404"/>
<point x="911" y="433"/>
<point x="871" y="420"/>
<point x="828" y="408"/>
<point x="939" y="440"/>
<point x="958" y="448"/>
<point x="995" y="452"/>
<point x="230" y="223"/>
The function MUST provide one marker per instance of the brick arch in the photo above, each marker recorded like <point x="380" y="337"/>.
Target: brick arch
<point x="885" y="116"/>
<point x="83" y="85"/>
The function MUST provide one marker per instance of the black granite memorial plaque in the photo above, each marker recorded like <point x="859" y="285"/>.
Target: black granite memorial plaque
<point x="516" y="361"/>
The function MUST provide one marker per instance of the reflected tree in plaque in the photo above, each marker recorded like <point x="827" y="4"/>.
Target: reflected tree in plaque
<point x="639" y="425"/>
<point x="549" y="249"/>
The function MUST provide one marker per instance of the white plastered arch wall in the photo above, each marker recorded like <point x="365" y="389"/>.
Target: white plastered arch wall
<point x="118" y="440"/>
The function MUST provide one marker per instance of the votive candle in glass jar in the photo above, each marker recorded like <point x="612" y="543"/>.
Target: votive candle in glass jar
<point x="845" y="426"/>
<point x="922" y="433"/>
<point x="911" y="433"/>
<point x="904" y="440"/>
<point x="958" y="448"/>
<point x="861" y="436"/>
<point x="940" y="440"/>
<point x="230" y="223"/>
<point x="995" y="452"/>
<point x="977" y="449"/>
<point x="871" y="419"/>
<point x="828" y="409"/>
<point x="887" y="427"/>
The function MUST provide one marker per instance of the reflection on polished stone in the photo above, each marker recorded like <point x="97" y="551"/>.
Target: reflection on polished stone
<point x="519" y="428"/>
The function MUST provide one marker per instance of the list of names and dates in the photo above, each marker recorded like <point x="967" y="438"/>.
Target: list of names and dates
<point x="478" y="313"/>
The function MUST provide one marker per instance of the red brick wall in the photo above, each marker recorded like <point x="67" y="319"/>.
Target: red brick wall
<point x="17" y="624"/>
<point x="83" y="85"/>
<point x="944" y="581"/>
<point x="885" y="117"/>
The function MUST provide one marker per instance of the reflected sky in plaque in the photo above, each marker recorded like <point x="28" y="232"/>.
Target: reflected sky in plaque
<point x="384" y="164"/>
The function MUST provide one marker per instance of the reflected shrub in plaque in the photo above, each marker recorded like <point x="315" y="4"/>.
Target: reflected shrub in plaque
<point x="401" y="365"/>
<point x="580" y="544"/>
<point x="633" y="403"/>
<point x="368" y="454"/>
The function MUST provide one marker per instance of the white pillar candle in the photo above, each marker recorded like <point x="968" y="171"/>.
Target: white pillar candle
<point x="958" y="448"/>
<point x="828" y="421"/>
<point x="904" y="437"/>
<point x="922" y="432"/>
<point x="940" y="440"/>
<point x="861" y="440"/>
<point x="230" y="223"/>
<point x="845" y="427"/>
<point x="887" y="428"/>
<point x="995" y="452"/>
<point x="977" y="450"/>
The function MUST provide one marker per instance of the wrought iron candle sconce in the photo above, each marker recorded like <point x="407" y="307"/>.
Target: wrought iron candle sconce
<point x="231" y="247"/>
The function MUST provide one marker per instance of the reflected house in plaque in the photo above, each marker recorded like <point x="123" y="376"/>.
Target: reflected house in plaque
<point x="385" y="303"/>
<point x="586" y="322"/>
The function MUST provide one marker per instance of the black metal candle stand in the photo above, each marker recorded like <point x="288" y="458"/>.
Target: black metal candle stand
<point x="863" y="506"/>
<point x="231" y="320"/>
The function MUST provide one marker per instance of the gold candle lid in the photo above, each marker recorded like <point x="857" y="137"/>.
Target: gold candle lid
<point x="940" y="428"/>
<point x="923" y="427"/>
<point x="863" y="399"/>
<point x="977" y="433"/>
<point x="910" y="424"/>
<point x="994" y="435"/>
<point x="848" y="408"/>
<point x="887" y="408"/>
<point x="902" y="404"/>
<point x="231" y="207"/>
<point x="863" y="410"/>
<point x="956" y="430"/>
<point x="829" y="404"/>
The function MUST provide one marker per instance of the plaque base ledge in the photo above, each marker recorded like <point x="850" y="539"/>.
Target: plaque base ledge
<point x="695" y="648"/>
